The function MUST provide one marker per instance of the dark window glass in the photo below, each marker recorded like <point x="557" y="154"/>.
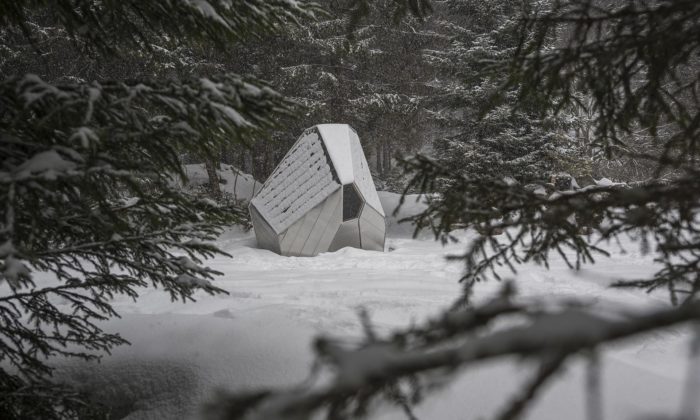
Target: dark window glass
<point x="352" y="203"/>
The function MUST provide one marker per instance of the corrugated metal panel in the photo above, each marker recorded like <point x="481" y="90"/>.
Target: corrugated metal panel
<point x="305" y="230"/>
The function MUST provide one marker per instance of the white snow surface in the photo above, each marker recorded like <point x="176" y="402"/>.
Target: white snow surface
<point x="336" y="137"/>
<point x="237" y="183"/>
<point x="260" y="334"/>
<point x="605" y="182"/>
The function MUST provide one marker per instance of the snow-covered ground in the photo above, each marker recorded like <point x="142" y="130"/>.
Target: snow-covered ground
<point x="260" y="333"/>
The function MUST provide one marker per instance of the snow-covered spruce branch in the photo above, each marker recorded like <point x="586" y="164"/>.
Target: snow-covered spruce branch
<point x="209" y="108"/>
<point x="49" y="331"/>
<point x="156" y="236"/>
<point x="548" y="366"/>
<point x="363" y="372"/>
<point x="134" y="23"/>
<point x="600" y="48"/>
<point x="89" y="170"/>
<point x="89" y="196"/>
<point x="521" y="224"/>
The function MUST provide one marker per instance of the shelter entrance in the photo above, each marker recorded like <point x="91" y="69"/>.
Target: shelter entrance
<point x="352" y="203"/>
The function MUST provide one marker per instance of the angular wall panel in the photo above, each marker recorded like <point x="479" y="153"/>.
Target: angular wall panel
<point x="372" y="229"/>
<point x="348" y="234"/>
<point x="330" y="230"/>
<point x="264" y="234"/>
<point x="297" y="244"/>
<point x="288" y="236"/>
<point x="326" y="220"/>
<point x="363" y="177"/>
<point x="372" y="217"/>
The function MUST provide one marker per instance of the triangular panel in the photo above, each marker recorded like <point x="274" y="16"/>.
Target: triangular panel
<point x="264" y="234"/>
<point x="336" y="137"/>
<point x="293" y="244"/>
<point x="348" y="235"/>
<point x="362" y="174"/>
<point x="334" y="222"/>
<point x="372" y="229"/>
<point x="327" y="220"/>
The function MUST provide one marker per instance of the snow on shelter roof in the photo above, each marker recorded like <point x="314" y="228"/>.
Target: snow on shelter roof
<point x="336" y="137"/>
<point x="300" y="182"/>
<point x="325" y="157"/>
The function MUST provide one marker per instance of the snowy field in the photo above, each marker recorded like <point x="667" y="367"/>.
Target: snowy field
<point x="260" y="334"/>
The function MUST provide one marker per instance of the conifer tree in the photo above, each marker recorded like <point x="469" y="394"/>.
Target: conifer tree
<point x="487" y="136"/>
<point x="89" y="167"/>
<point x="369" y="73"/>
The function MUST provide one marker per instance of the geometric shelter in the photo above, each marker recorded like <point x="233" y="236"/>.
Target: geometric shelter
<point x="320" y="197"/>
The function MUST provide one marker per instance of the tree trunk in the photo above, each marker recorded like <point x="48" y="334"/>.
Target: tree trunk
<point x="248" y="162"/>
<point x="214" y="187"/>
<point x="235" y="183"/>
<point x="386" y="164"/>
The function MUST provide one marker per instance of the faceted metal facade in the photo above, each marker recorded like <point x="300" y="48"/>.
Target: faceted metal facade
<point x="320" y="198"/>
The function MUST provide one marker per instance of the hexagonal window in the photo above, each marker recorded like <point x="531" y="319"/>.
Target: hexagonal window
<point x="352" y="202"/>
